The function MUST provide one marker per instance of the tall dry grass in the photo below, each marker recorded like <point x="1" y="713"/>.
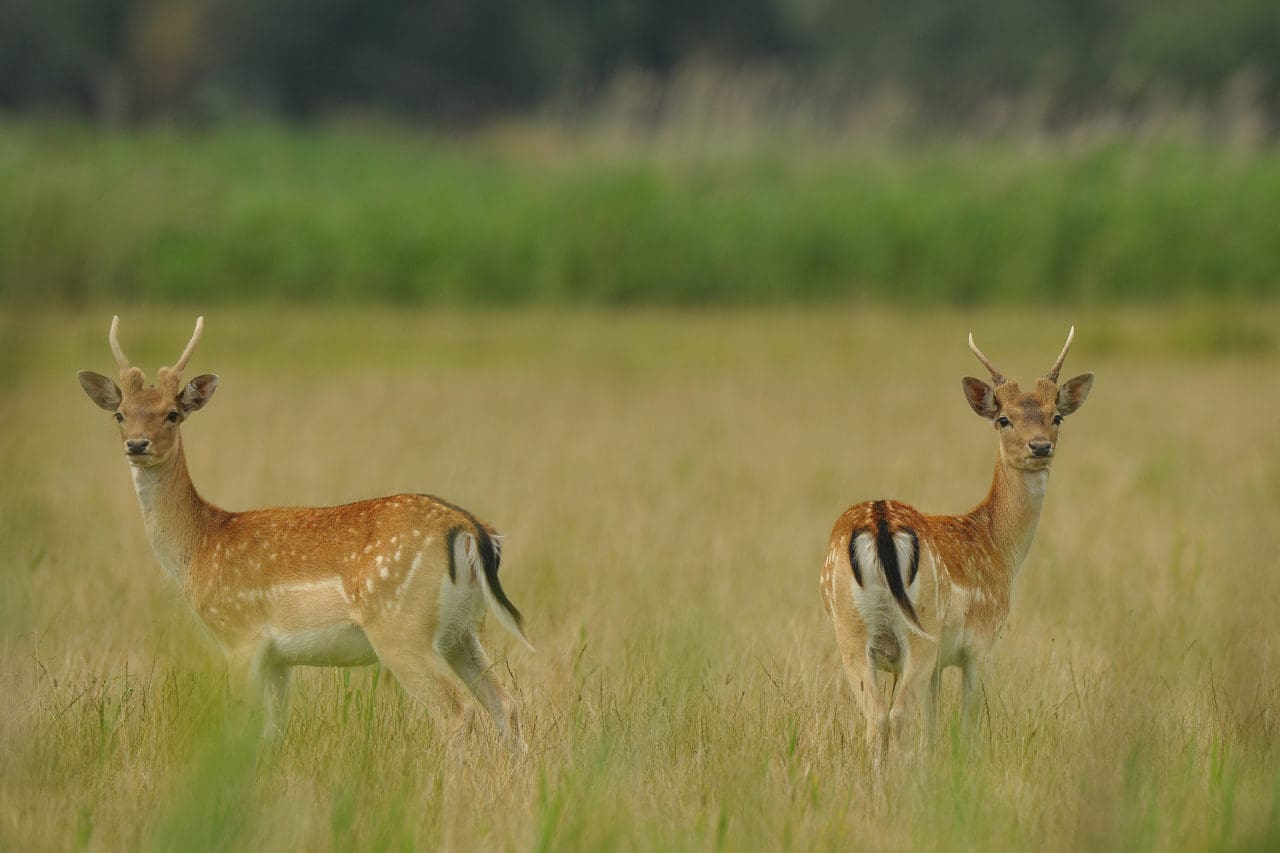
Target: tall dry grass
<point x="667" y="482"/>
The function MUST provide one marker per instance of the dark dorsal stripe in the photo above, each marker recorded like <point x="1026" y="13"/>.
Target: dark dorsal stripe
<point x="888" y="555"/>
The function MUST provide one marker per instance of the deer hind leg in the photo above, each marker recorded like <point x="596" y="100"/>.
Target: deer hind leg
<point x="931" y="706"/>
<point x="401" y="627"/>
<point x="464" y="653"/>
<point x="865" y="679"/>
<point x="422" y="675"/>
<point x="875" y="708"/>
<point x="910" y="704"/>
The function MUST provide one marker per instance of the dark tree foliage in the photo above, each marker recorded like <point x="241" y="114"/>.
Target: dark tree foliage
<point x="462" y="57"/>
<point x="61" y="54"/>
<point x="451" y="60"/>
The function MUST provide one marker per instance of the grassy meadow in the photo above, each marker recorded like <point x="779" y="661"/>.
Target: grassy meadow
<point x="531" y="215"/>
<point x="667" y="482"/>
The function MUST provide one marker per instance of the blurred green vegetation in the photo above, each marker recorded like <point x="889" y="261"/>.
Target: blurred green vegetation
<point x="360" y="213"/>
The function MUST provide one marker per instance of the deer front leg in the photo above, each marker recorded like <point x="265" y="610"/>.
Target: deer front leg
<point x="970" y="682"/>
<point x="266" y="686"/>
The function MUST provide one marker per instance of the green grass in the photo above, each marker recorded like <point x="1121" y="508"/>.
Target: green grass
<point x="667" y="482"/>
<point x="359" y="213"/>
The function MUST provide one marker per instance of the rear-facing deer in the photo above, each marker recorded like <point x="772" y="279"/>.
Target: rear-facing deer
<point x="403" y="580"/>
<point x="912" y="594"/>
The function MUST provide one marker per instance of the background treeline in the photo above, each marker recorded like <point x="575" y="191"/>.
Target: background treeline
<point x="467" y="60"/>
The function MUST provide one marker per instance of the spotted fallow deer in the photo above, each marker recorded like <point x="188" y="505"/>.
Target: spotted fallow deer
<point x="911" y="594"/>
<point x="403" y="580"/>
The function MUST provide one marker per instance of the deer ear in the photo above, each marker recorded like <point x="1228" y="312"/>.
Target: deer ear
<point x="197" y="393"/>
<point x="981" y="398"/>
<point x="1073" y="392"/>
<point x="100" y="389"/>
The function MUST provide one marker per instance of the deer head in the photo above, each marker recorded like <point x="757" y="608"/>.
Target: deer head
<point x="1028" y="421"/>
<point x="148" y="417"/>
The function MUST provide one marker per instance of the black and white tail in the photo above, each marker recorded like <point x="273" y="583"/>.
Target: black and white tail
<point x="896" y="553"/>
<point x="480" y="550"/>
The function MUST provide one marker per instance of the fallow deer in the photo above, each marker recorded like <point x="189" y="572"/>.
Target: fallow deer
<point x="911" y="594"/>
<point x="403" y="580"/>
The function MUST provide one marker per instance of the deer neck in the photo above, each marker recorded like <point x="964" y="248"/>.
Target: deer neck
<point x="172" y="511"/>
<point x="1011" y="512"/>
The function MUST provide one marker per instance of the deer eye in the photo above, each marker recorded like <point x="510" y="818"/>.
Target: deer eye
<point x="1003" y="422"/>
<point x="172" y="417"/>
<point x="119" y="417"/>
<point x="1057" y="419"/>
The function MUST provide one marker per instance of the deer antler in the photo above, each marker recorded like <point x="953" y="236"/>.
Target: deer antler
<point x="1052" y="375"/>
<point x="191" y="347"/>
<point x="996" y="376"/>
<point x="114" y="340"/>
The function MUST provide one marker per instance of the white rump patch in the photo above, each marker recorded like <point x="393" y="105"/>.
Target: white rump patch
<point x="874" y="600"/>
<point x="907" y="559"/>
<point x="864" y="547"/>
<point x="464" y="552"/>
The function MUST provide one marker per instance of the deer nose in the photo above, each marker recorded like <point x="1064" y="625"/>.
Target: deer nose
<point x="1040" y="448"/>
<point x="137" y="445"/>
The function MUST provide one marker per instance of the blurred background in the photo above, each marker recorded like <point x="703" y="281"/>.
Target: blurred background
<point x="633" y="151"/>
